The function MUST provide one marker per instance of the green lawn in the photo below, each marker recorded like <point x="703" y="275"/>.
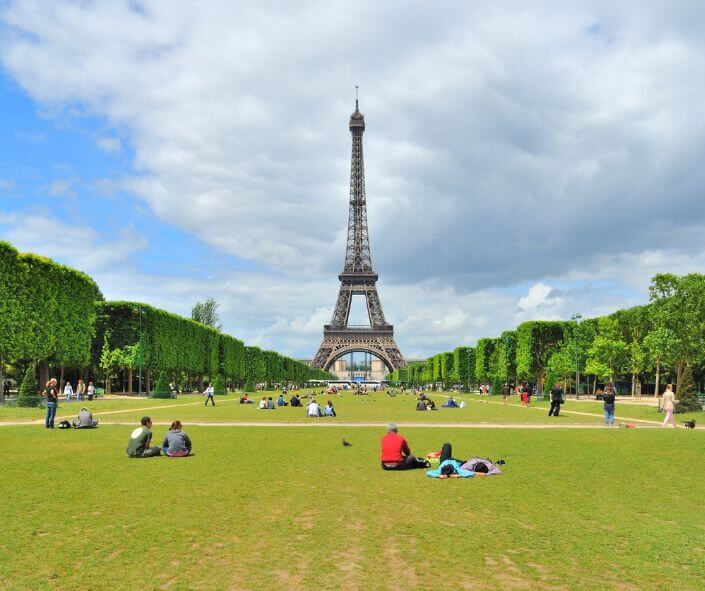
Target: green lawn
<point x="268" y="508"/>
<point x="350" y="408"/>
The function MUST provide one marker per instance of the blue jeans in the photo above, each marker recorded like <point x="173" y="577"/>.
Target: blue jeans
<point x="51" y="413"/>
<point x="609" y="414"/>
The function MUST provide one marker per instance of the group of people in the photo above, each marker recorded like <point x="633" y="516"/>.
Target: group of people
<point x="396" y="455"/>
<point x="424" y="402"/>
<point x="80" y="392"/>
<point x="176" y="444"/>
<point x="313" y="409"/>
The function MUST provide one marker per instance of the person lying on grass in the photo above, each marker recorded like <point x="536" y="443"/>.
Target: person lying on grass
<point x="140" y="440"/>
<point x="176" y="443"/>
<point x="85" y="420"/>
<point x="452" y="468"/>
<point x="396" y="454"/>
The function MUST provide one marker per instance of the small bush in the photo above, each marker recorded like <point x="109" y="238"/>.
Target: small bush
<point x="687" y="398"/>
<point x="29" y="389"/>
<point x="161" y="389"/>
<point x="249" y="386"/>
<point x="219" y="385"/>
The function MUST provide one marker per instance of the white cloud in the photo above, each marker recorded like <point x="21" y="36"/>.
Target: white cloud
<point x="109" y="144"/>
<point x="507" y="146"/>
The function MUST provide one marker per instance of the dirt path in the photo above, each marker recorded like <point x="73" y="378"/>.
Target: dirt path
<point x="322" y="423"/>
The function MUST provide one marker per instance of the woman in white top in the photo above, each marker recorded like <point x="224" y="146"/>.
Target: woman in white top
<point x="68" y="391"/>
<point x="669" y="405"/>
<point x="90" y="391"/>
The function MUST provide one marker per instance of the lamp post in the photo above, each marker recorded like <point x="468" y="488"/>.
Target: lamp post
<point x="576" y="318"/>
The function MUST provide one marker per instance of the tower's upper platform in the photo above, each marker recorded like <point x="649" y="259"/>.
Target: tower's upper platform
<point x="357" y="119"/>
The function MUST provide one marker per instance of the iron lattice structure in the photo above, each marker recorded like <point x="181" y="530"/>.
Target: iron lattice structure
<point x="358" y="278"/>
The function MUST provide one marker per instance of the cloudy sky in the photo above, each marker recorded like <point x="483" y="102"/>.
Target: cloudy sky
<point x="521" y="162"/>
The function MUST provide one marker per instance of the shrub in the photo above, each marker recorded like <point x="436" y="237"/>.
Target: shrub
<point x="29" y="390"/>
<point x="249" y="386"/>
<point x="161" y="389"/>
<point x="219" y="385"/>
<point x="687" y="398"/>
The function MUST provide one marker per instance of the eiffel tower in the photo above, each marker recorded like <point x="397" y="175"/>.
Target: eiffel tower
<point x="358" y="278"/>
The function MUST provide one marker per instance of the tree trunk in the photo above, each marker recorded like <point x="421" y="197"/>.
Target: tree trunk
<point x="130" y="379"/>
<point x="679" y="375"/>
<point x="61" y="379"/>
<point x="43" y="374"/>
<point x="633" y="385"/>
<point x="2" y="381"/>
<point x="122" y="377"/>
<point x="658" y="377"/>
<point x="539" y="383"/>
<point x="148" y="390"/>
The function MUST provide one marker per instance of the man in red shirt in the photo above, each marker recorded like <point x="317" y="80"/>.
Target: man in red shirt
<point x="396" y="454"/>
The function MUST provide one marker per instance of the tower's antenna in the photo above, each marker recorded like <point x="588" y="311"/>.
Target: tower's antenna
<point x="356" y="97"/>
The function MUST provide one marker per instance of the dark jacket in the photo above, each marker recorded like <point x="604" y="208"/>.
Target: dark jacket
<point x="557" y="394"/>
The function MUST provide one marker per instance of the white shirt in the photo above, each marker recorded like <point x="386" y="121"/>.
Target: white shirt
<point x="210" y="390"/>
<point x="313" y="410"/>
<point x="263" y="404"/>
<point x="68" y="389"/>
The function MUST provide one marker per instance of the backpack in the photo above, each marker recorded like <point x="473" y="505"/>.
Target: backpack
<point x="64" y="425"/>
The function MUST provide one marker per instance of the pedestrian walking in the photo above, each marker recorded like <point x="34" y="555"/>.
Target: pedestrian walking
<point x="608" y="399"/>
<point x="668" y="405"/>
<point x="556" y="400"/>
<point x="68" y="391"/>
<point x="506" y="391"/>
<point x="51" y="393"/>
<point x="208" y="393"/>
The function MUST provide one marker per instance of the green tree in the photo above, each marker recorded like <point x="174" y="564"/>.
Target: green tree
<point x="660" y="344"/>
<point x="608" y="352"/>
<point x="207" y="313"/>
<point x="687" y="397"/>
<point x="678" y="304"/>
<point x="219" y="385"/>
<point x="536" y="342"/>
<point x="29" y="390"/>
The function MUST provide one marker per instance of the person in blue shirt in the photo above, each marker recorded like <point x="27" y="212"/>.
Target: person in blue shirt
<point x="450" y="469"/>
<point x="281" y="401"/>
<point x="329" y="409"/>
<point x="450" y="403"/>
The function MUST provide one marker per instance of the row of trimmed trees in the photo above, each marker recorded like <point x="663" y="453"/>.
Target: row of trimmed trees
<point x="664" y="339"/>
<point x="55" y="318"/>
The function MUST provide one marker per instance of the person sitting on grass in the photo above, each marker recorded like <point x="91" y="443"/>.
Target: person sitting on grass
<point x="270" y="403"/>
<point x="263" y="404"/>
<point x="84" y="420"/>
<point x="176" y="443"/>
<point x="140" y="440"/>
<point x="450" y="403"/>
<point x="281" y="401"/>
<point x="329" y="409"/>
<point x="245" y="399"/>
<point x="396" y="454"/>
<point x="295" y="401"/>
<point x="421" y="405"/>
<point x="430" y="404"/>
<point x="313" y="410"/>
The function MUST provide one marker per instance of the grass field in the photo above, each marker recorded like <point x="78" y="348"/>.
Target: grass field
<point x="272" y="508"/>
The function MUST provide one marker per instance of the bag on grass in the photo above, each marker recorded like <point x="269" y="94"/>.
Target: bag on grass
<point x="64" y="425"/>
